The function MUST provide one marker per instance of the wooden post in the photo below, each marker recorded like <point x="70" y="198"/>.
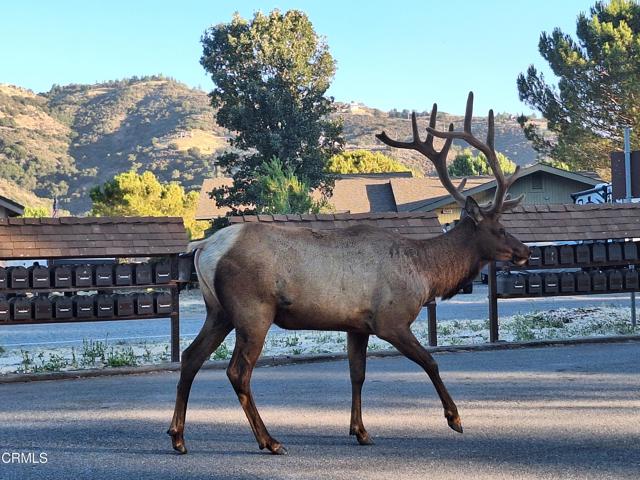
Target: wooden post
<point x="493" y="304"/>
<point x="432" y="324"/>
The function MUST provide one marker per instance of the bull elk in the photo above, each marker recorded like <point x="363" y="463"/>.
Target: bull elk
<point x="361" y="280"/>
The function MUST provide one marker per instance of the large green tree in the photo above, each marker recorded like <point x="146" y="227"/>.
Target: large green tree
<point x="364" y="161"/>
<point x="598" y="87"/>
<point x="466" y="164"/>
<point x="271" y="75"/>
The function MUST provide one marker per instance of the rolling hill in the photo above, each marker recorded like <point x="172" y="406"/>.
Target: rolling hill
<point x="65" y="141"/>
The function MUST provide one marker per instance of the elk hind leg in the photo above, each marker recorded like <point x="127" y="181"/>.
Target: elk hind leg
<point x="357" y="353"/>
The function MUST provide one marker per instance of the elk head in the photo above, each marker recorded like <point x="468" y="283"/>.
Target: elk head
<point x="491" y="239"/>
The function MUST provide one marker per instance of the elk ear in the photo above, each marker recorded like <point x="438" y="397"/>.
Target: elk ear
<point x="472" y="210"/>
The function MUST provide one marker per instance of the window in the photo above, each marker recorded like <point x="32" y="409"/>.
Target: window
<point x="536" y="182"/>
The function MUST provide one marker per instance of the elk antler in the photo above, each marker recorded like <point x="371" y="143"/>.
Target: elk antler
<point x="426" y="148"/>
<point x="500" y="202"/>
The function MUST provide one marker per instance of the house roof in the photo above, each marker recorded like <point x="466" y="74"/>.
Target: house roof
<point x="415" y="225"/>
<point x="12" y="206"/>
<point x="548" y="223"/>
<point x="91" y="237"/>
<point x="207" y="207"/>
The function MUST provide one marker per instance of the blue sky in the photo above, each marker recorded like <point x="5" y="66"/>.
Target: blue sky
<point x="390" y="54"/>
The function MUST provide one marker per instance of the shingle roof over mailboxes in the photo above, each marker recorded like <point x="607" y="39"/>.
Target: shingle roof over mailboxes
<point x="548" y="223"/>
<point x="91" y="237"/>
<point x="416" y="225"/>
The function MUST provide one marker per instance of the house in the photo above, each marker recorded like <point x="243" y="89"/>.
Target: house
<point x="10" y="208"/>
<point x="401" y="192"/>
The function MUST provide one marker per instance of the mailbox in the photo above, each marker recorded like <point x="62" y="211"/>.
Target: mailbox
<point x="3" y="278"/>
<point x="630" y="279"/>
<point x="123" y="274"/>
<point x="614" y="251"/>
<point x="567" y="282"/>
<point x="62" y="307"/>
<point x="583" y="254"/>
<point x="583" y="282"/>
<point x="104" y="275"/>
<point x="83" y="306"/>
<point x="567" y="256"/>
<point x="630" y="251"/>
<point x="82" y="276"/>
<point x="185" y="268"/>
<point x="104" y="305"/>
<point x="550" y="255"/>
<point x="162" y="272"/>
<point x="62" y="277"/>
<point x="551" y="284"/>
<point x="615" y="279"/>
<point x="20" y="308"/>
<point x="42" y="309"/>
<point x="535" y="256"/>
<point x="143" y="304"/>
<point x="39" y="276"/>
<point x="163" y="303"/>
<point x="4" y="309"/>
<point x="598" y="281"/>
<point x="18" y="277"/>
<point x="124" y="305"/>
<point x="598" y="252"/>
<point x="511" y="284"/>
<point x="143" y="273"/>
<point x="534" y="283"/>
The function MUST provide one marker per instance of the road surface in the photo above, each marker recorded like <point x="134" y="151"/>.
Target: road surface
<point x="550" y="413"/>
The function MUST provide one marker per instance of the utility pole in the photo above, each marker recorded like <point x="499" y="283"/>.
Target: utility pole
<point x="627" y="177"/>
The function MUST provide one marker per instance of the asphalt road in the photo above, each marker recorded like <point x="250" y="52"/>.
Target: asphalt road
<point x="553" y="413"/>
<point x="472" y="306"/>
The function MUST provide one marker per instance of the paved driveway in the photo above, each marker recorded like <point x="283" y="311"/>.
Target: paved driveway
<point x="554" y="413"/>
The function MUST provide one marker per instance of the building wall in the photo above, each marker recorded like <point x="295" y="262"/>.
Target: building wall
<point x="555" y="190"/>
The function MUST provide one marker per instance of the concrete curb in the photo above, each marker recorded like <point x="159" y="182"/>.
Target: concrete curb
<point x="298" y="359"/>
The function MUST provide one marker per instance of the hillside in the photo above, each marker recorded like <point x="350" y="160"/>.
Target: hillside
<point x="73" y="137"/>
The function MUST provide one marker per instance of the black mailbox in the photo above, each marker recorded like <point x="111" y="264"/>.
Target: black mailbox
<point x="39" y="276"/>
<point x="614" y="251"/>
<point x="3" y="277"/>
<point x="550" y="255"/>
<point x="598" y="281"/>
<point x="20" y="308"/>
<point x="535" y="257"/>
<point x="62" y="307"/>
<point x="598" y="252"/>
<point x="83" y="306"/>
<point x="124" y="305"/>
<point x="162" y="272"/>
<point x="82" y="276"/>
<point x="163" y="303"/>
<point x="104" y="275"/>
<point x="511" y="284"/>
<point x="4" y="309"/>
<point x="534" y="283"/>
<point x="42" y="308"/>
<point x="124" y="274"/>
<point x="583" y="254"/>
<point x="143" y="273"/>
<point x="567" y="256"/>
<point x="104" y="305"/>
<point x="551" y="284"/>
<point x="583" y="282"/>
<point x="567" y="282"/>
<point x="144" y="304"/>
<point x="185" y="268"/>
<point x="630" y="251"/>
<point x="62" y="277"/>
<point x="615" y="279"/>
<point x="630" y="279"/>
<point x="18" y="277"/>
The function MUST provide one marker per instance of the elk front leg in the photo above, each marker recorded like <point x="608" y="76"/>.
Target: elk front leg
<point x="212" y="334"/>
<point x="409" y="346"/>
<point x="357" y="352"/>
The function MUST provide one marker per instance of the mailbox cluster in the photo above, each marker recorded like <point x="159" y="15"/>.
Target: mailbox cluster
<point x="603" y="268"/>
<point x="82" y="276"/>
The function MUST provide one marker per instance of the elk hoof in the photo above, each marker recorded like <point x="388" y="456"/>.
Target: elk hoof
<point x="365" y="439"/>
<point x="455" y="424"/>
<point x="177" y="441"/>
<point x="279" y="450"/>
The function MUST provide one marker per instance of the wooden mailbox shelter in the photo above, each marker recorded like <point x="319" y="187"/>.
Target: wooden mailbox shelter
<point x="145" y="264"/>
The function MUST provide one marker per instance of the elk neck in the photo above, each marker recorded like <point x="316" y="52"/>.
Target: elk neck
<point x="451" y="260"/>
